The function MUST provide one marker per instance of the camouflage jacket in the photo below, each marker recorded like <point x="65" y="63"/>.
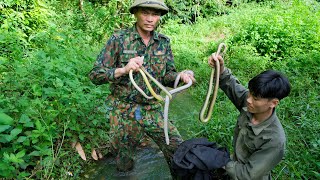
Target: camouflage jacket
<point x="120" y="48"/>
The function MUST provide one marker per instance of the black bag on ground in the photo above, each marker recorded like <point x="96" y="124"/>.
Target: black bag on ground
<point x="198" y="159"/>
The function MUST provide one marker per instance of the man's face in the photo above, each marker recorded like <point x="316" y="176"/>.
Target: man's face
<point x="147" y="19"/>
<point x="258" y="105"/>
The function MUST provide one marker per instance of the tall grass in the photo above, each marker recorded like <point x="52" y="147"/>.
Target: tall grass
<point x="51" y="102"/>
<point x="282" y="36"/>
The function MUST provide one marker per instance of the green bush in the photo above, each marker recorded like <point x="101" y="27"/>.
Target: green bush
<point x="51" y="102"/>
<point x="298" y="60"/>
<point x="47" y="101"/>
<point x="19" y="20"/>
<point x="281" y="32"/>
<point x="98" y="19"/>
<point x="189" y="11"/>
<point x="301" y="115"/>
<point x="25" y="16"/>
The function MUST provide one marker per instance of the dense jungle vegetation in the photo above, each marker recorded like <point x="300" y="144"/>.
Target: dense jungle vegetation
<point x="47" y="102"/>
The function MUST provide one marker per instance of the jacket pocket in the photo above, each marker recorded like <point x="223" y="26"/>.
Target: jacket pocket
<point x="158" y="63"/>
<point x="125" y="57"/>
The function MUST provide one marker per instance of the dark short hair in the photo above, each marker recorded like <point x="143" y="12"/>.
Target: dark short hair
<point x="270" y="84"/>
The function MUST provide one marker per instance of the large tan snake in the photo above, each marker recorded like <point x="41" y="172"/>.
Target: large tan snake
<point x="215" y="74"/>
<point x="168" y="97"/>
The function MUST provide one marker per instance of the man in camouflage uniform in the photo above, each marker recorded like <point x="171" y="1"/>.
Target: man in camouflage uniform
<point x="131" y="115"/>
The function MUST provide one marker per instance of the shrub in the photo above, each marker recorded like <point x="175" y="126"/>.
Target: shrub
<point x="279" y="33"/>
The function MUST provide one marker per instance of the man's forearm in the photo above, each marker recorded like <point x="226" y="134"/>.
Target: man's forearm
<point x="119" y="72"/>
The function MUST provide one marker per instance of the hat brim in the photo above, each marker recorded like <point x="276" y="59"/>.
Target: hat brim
<point x="164" y="9"/>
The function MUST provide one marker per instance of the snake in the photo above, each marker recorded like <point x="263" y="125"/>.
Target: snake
<point x="167" y="102"/>
<point x="168" y="96"/>
<point x="144" y="74"/>
<point x="214" y="73"/>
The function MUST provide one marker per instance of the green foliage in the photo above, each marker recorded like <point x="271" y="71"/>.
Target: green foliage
<point x="16" y="137"/>
<point x="19" y="20"/>
<point x="11" y="44"/>
<point x="183" y="11"/>
<point x="21" y="140"/>
<point x="189" y="11"/>
<point x="299" y="112"/>
<point x="98" y="19"/>
<point x="24" y="16"/>
<point x="279" y="33"/>
<point x="47" y="101"/>
<point x="52" y="104"/>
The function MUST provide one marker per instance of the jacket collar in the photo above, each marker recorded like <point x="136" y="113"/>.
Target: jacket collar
<point x="257" y="129"/>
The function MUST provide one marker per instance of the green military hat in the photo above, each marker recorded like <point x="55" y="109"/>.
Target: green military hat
<point x="155" y="4"/>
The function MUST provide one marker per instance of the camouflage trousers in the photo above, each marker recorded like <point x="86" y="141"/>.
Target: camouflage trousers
<point x="128" y="125"/>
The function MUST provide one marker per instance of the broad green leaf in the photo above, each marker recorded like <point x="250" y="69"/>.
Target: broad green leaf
<point x="5" y="138"/>
<point x="4" y="127"/>
<point x="28" y="124"/>
<point x="316" y="174"/>
<point x="81" y="137"/>
<point x="26" y="121"/>
<point x="35" y="153"/>
<point x="24" y="174"/>
<point x="6" y="155"/>
<point x="15" y="132"/>
<point x="38" y="125"/>
<point x="5" y="119"/>
<point x="15" y="159"/>
<point x="26" y="142"/>
<point x="37" y="91"/>
<point x="21" y="154"/>
<point x="21" y="139"/>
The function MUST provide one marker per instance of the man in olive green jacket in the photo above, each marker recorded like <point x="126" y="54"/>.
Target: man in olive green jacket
<point x="131" y="115"/>
<point x="259" y="139"/>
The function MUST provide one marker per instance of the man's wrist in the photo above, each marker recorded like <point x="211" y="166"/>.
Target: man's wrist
<point x="119" y="72"/>
<point x="222" y="69"/>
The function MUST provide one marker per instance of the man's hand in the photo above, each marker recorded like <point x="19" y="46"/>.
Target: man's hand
<point x="212" y="63"/>
<point x="185" y="76"/>
<point x="134" y="64"/>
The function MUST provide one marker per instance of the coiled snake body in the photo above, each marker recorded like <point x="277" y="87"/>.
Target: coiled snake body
<point x="215" y="74"/>
<point x="168" y="97"/>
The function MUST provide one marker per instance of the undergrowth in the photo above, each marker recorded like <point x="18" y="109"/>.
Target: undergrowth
<point x="47" y="102"/>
